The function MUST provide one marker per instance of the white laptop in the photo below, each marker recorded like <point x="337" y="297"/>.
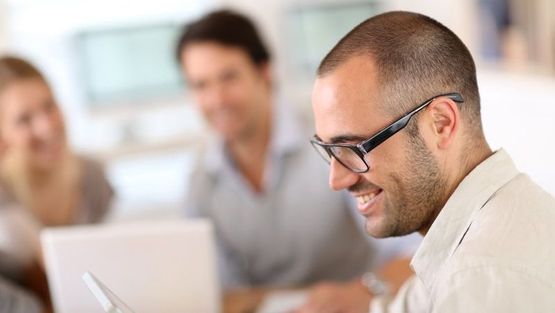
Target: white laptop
<point x="153" y="266"/>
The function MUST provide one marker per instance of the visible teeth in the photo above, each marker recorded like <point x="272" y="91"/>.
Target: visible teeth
<point x="367" y="197"/>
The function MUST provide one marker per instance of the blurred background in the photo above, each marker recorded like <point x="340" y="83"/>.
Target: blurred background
<point x="111" y="64"/>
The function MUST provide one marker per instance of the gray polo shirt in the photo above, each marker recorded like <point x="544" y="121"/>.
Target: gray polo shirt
<point x="296" y="232"/>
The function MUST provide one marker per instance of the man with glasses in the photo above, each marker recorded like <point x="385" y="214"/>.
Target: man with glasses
<point x="397" y="115"/>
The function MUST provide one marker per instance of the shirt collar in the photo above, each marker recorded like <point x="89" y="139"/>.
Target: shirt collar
<point x="287" y="136"/>
<point x="451" y="224"/>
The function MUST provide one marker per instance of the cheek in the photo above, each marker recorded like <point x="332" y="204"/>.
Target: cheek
<point x="202" y="103"/>
<point x="383" y="165"/>
<point x="390" y="173"/>
<point x="57" y="120"/>
<point x="237" y="93"/>
<point x="16" y="138"/>
<point x="57" y="115"/>
<point x="391" y="156"/>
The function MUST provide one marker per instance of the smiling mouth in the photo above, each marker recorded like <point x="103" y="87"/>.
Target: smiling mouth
<point x="367" y="197"/>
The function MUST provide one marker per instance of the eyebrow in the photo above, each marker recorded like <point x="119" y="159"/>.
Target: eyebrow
<point x="345" y="138"/>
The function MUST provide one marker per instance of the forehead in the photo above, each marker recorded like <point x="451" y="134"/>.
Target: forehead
<point x="346" y="101"/>
<point x="209" y="57"/>
<point x="24" y="91"/>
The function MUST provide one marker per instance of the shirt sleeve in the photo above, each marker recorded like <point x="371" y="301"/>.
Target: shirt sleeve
<point x="13" y="299"/>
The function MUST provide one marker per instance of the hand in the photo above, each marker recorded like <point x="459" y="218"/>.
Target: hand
<point x="350" y="297"/>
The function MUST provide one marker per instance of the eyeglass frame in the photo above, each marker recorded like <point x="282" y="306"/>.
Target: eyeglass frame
<point x="364" y="147"/>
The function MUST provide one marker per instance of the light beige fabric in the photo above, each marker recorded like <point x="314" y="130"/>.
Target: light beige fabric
<point x="491" y="249"/>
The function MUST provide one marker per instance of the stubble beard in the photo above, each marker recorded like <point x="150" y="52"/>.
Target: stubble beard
<point x="415" y="196"/>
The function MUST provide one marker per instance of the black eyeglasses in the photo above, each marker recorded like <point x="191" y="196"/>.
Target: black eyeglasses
<point x="352" y="156"/>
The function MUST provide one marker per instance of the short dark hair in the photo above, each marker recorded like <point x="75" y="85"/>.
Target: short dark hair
<point x="228" y="28"/>
<point x="416" y="58"/>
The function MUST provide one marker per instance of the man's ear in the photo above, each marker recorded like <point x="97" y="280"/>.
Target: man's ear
<point x="445" y="117"/>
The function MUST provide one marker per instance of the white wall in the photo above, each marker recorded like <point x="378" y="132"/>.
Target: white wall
<point x="3" y="26"/>
<point x="518" y="113"/>
<point x="457" y="15"/>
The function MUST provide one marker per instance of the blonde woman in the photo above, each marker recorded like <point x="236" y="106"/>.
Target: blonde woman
<point x="42" y="183"/>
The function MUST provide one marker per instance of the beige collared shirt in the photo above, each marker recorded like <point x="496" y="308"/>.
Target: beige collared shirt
<point x="491" y="249"/>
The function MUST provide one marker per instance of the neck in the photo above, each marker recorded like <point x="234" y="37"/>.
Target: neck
<point x="469" y="161"/>
<point x="249" y="152"/>
<point x="480" y="152"/>
<point x="37" y="176"/>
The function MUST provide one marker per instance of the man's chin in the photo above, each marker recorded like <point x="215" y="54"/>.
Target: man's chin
<point x="376" y="230"/>
<point x="228" y="132"/>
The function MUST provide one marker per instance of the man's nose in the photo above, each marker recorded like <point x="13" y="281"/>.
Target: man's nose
<point x="217" y="95"/>
<point x="340" y="176"/>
